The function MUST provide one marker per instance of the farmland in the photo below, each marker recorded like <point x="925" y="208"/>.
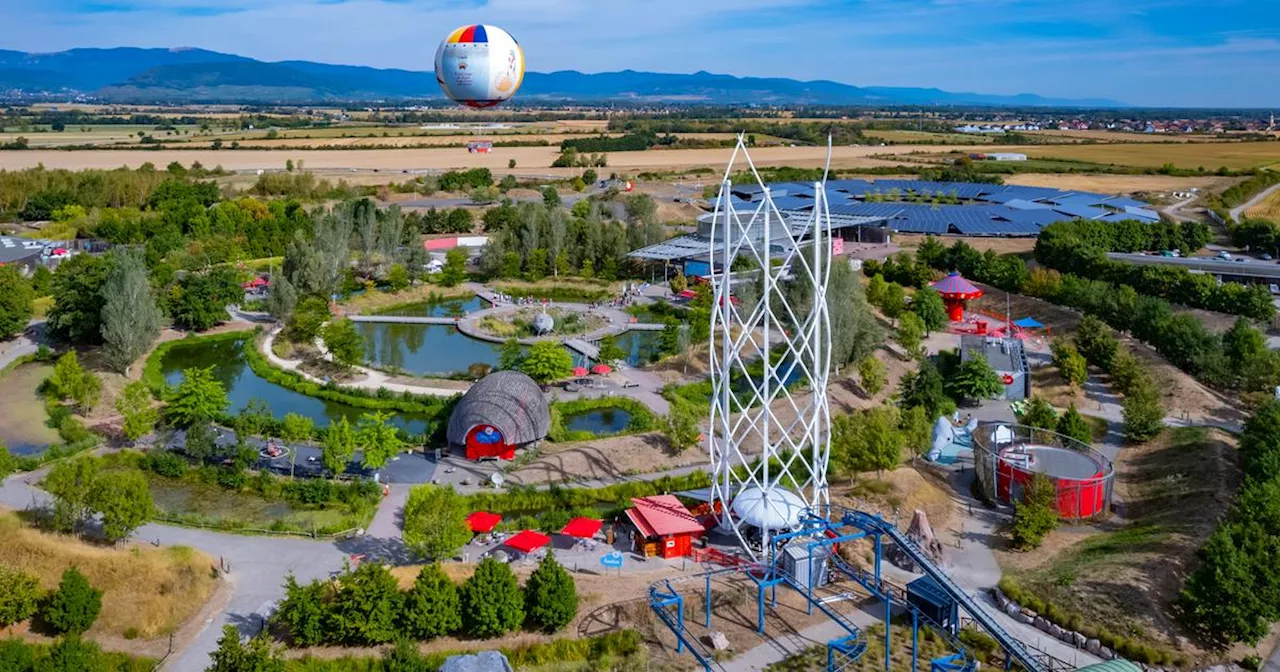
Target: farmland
<point x="1234" y="155"/>
<point x="1269" y="208"/>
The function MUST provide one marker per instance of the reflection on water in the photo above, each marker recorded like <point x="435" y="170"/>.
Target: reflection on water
<point x="445" y="308"/>
<point x="242" y="384"/>
<point x="425" y="350"/>
<point x="598" y="421"/>
<point x="22" y="415"/>
<point x="642" y="347"/>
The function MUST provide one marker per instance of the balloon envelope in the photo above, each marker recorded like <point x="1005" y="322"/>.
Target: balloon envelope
<point x="479" y="65"/>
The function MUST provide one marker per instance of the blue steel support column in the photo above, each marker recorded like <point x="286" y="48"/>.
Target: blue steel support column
<point x="680" y="620"/>
<point x="888" y="631"/>
<point x="878" y="560"/>
<point x="831" y="659"/>
<point x="809" y="603"/>
<point x="708" y="600"/>
<point x="955" y="619"/>
<point x="760" y="603"/>
<point x="915" y="638"/>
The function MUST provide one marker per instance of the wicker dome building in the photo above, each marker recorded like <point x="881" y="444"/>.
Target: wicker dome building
<point x="500" y="413"/>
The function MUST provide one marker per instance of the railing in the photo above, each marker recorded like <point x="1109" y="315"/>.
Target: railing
<point x="1077" y="499"/>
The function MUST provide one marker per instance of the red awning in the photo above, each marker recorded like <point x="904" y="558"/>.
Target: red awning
<point x="583" y="528"/>
<point x="483" y="521"/>
<point x="528" y="541"/>
<point x="579" y="371"/>
<point x="687" y="294"/>
<point x="601" y="369"/>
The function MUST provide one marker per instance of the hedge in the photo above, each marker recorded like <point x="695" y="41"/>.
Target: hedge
<point x="527" y="500"/>
<point x="642" y="419"/>
<point x="603" y="652"/>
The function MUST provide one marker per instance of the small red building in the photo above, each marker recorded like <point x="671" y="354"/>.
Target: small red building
<point x="664" y="527"/>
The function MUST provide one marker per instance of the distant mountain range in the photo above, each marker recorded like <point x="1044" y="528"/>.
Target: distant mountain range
<point x="128" y="74"/>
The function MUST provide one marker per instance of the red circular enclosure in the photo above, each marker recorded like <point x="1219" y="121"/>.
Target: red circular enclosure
<point x="1080" y="480"/>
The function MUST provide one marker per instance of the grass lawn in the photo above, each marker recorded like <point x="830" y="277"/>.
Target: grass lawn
<point x="147" y="592"/>
<point x="188" y="500"/>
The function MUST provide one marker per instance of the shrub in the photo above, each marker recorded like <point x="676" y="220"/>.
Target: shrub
<point x="492" y="602"/>
<point x="1036" y="515"/>
<point x="74" y="606"/>
<point x="432" y="607"/>
<point x="19" y="595"/>
<point x="365" y="608"/>
<point x="551" y="597"/>
<point x="166" y="464"/>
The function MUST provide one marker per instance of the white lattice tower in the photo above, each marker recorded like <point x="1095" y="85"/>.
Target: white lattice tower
<point x="770" y="418"/>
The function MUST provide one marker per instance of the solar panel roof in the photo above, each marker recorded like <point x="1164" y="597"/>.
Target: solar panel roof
<point x="1081" y="211"/>
<point x="1023" y="204"/>
<point x="1077" y="199"/>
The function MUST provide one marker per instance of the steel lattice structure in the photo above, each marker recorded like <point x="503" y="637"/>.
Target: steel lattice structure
<point x="770" y="346"/>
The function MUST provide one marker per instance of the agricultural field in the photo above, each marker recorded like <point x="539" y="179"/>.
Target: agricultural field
<point x="95" y="134"/>
<point x="1120" y="184"/>
<point x="1269" y="208"/>
<point x="928" y="136"/>
<point x="1209" y="155"/>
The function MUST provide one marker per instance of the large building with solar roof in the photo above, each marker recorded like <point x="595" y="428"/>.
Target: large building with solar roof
<point x="868" y="210"/>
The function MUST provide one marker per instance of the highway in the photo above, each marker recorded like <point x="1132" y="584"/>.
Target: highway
<point x="1251" y="267"/>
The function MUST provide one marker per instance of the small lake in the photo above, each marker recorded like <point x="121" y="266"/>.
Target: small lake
<point x="425" y="349"/>
<point x="598" y="421"/>
<point x="22" y="416"/>
<point x="445" y="308"/>
<point x="642" y="347"/>
<point x="242" y="384"/>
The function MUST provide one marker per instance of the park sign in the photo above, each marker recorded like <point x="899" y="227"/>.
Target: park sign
<point x="613" y="560"/>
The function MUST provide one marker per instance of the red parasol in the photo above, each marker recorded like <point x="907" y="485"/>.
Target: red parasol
<point x="601" y="369"/>
<point x="481" y="522"/>
<point x="582" y="528"/>
<point x="579" y="371"/>
<point x="528" y="541"/>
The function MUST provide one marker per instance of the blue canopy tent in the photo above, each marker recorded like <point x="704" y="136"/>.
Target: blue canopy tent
<point x="1029" y="323"/>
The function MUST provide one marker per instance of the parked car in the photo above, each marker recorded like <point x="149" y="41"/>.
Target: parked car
<point x="1266" y="257"/>
<point x="1224" y="255"/>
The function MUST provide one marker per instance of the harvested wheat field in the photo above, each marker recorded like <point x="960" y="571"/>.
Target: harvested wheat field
<point x="147" y="592"/>
<point x="1269" y="208"/>
<point x="450" y="158"/>
<point x="1120" y="184"/>
<point x="1209" y="155"/>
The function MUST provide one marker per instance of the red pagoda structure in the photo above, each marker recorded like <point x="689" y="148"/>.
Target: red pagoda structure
<point x="955" y="291"/>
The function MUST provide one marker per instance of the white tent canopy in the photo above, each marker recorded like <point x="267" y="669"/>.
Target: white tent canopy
<point x="771" y="508"/>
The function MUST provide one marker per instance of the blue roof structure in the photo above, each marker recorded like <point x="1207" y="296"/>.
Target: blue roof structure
<point x="1081" y="211"/>
<point x="1023" y="204"/>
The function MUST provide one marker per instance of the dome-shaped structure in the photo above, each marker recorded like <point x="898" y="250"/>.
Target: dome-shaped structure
<point x="501" y="412"/>
<point x="543" y="323"/>
<point x="771" y="509"/>
<point x="479" y="65"/>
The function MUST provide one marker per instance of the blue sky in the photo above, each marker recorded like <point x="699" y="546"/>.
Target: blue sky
<point x="1201" y="53"/>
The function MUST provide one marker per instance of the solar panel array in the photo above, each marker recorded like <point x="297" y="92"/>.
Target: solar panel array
<point x="991" y="209"/>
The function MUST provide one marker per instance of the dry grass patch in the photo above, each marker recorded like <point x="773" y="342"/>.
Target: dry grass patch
<point x="147" y="592"/>
<point x="372" y="302"/>
<point x="1269" y="208"/>
<point x="1209" y="155"/>
<point x="1119" y="184"/>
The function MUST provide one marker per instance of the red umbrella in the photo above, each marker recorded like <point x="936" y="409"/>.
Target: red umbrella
<point x="528" y="541"/>
<point x="601" y="369"/>
<point x="579" y="371"/>
<point x="583" y="528"/>
<point x="60" y="251"/>
<point x="481" y="522"/>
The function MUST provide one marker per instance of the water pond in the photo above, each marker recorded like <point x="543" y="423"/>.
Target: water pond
<point x="425" y="349"/>
<point x="242" y="384"/>
<point x="22" y="416"/>
<point x="598" y="421"/>
<point x="445" y="308"/>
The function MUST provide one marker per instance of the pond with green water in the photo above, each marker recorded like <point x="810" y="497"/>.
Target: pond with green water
<point x="443" y="308"/>
<point x="232" y="369"/>
<point x="598" y="421"/>
<point x="425" y="349"/>
<point x="22" y="416"/>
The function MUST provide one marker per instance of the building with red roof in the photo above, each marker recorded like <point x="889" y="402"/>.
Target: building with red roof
<point x="663" y="526"/>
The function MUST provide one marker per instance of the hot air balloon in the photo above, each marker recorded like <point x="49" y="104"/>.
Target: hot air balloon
<point x="479" y="66"/>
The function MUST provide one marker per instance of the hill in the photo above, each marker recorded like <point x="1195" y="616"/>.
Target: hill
<point x="129" y="74"/>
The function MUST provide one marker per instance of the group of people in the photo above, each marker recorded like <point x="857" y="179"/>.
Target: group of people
<point x="521" y="300"/>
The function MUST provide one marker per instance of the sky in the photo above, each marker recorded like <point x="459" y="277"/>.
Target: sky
<point x="1187" y="53"/>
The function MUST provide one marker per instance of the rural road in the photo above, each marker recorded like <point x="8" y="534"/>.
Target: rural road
<point x="1174" y="211"/>
<point x="1262" y="195"/>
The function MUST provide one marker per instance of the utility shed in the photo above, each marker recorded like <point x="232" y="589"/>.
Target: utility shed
<point x="1006" y="356"/>
<point x="664" y="527"/>
<point x="798" y="559"/>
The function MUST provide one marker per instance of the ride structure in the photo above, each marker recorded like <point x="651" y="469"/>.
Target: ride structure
<point x="770" y="331"/>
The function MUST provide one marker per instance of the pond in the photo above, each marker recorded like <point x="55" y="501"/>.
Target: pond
<point x="242" y="384"/>
<point x="425" y="349"/>
<point x="23" y="428"/>
<point x="642" y="347"/>
<point x="598" y="421"/>
<point x="443" y="308"/>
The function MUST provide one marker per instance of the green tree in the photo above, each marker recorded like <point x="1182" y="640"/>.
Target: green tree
<point x="296" y="428"/>
<point x="927" y="304"/>
<point x="398" y="277"/>
<point x="130" y="319"/>
<point x="910" y="335"/>
<point x="550" y="197"/>
<point x="455" y="267"/>
<point x="679" y="283"/>
<point x="547" y="361"/>
<point x="282" y="297"/>
<point x="1037" y="514"/>
<point x="1126" y="371"/>
<point x="872" y="374"/>
<point x="1096" y="342"/>
<point x="124" y="501"/>
<point x="16" y="296"/>
<point x="74" y="382"/>
<point x="302" y="611"/>
<point x="510" y="355"/>
<point x="894" y="302"/>
<point x="77" y="299"/>
<point x="232" y="655"/>
<point x="343" y="342"/>
<point x="1039" y="413"/>
<point x="682" y="428"/>
<point x="8" y="464"/>
<point x="976" y="380"/>
<point x="378" y="439"/>
<point x="255" y="419"/>
<point x="74" y="606"/>
<point x="876" y="290"/>
<point x="1143" y="413"/>
<point x="134" y="404"/>
<point x="1073" y="424"/>
<point x="71" y="484"/>
<point x="551" y="597"/>
<point x="435" y="521"/>
<point x="199" y="399"/>
<point x="1071" y="364"/>
<point x="917" y="430"/>
<point x="200" y="442"/>
<point x="432" y="607"/>
<point x="339" y="446"/>
<point x="492" y="602"/>
<point x="308" y="318"/>
<point x="925" y="389"/>
<point x="199" y="301"/>
<point x="537" y="264"/>
<point x="610" y="353"/>
<point x="73" y="654"/>
<point x="364" y="609"/>
<point x="20" y="595"/>
<point x="868" y="440"/>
